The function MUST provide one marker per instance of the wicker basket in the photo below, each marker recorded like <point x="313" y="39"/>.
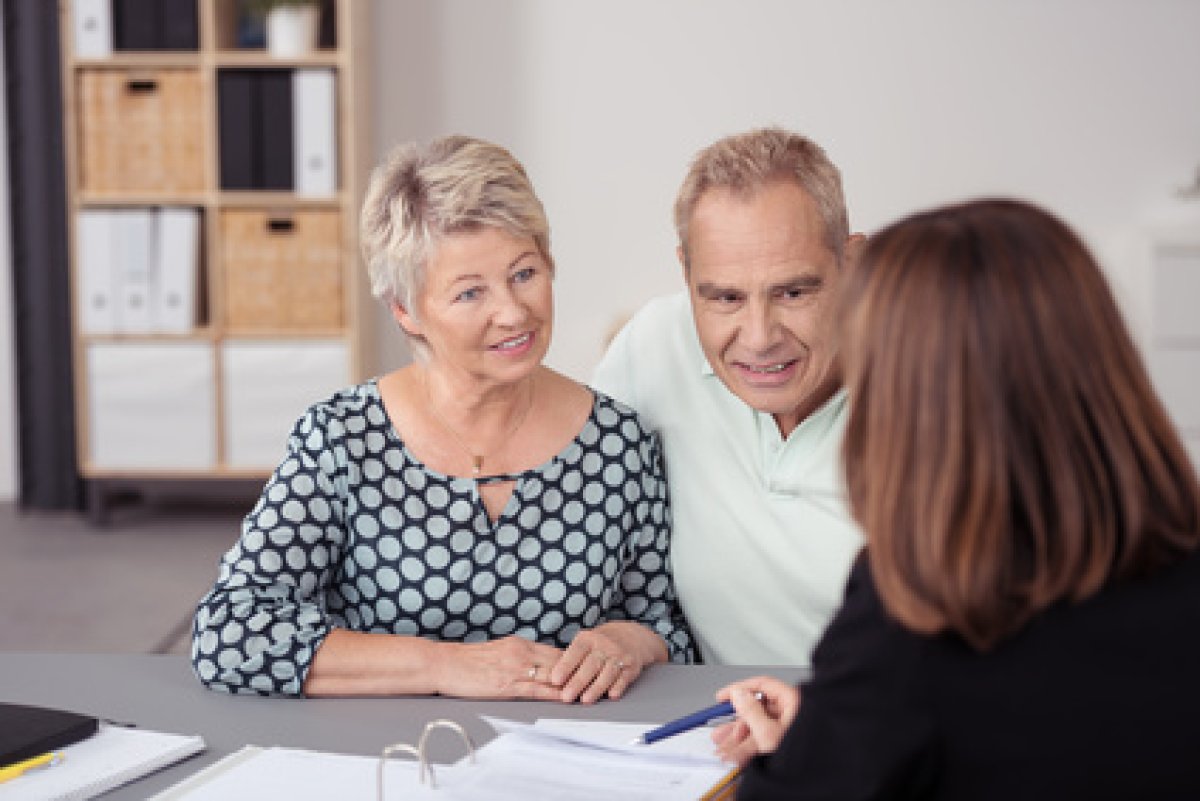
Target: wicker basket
<point x="141" y="131"/>
<point x="282" y="270"/>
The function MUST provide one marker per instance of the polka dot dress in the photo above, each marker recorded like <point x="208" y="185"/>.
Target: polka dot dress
<point x="353" y="532"/>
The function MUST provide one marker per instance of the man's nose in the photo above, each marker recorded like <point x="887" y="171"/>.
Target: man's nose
<point x="760" y="327"/>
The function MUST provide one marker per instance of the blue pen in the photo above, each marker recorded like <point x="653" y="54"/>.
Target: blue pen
<point x="689" y="722"/>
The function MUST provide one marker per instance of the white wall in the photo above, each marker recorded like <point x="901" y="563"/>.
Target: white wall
<point x="8" y="405"/>
<point x="1091" y="107"/>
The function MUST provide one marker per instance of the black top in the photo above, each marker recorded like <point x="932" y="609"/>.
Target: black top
<point x="1097" y="700"/>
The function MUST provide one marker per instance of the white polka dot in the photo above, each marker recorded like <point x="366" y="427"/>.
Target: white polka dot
<point x="389" y="579"/>
<point x="436" y="588"/>
<point x="554" y="591"/>
<point x="414" y="538"/>
<point x="553" y="560"/>
<point x="391" y="518"/>
<point x="506" y="596"/>
<point x="529" y="579"/>
<point x="529" y="609"/>
<point x="389" y="547"/>
<point x="481" y="614"/>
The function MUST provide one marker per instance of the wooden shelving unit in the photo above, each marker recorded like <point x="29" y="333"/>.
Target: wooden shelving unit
<point x="248" y="379"/>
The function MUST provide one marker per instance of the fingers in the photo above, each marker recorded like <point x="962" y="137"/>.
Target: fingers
<point x="765" y="729"/>
<point x="592" y="666"/>
<point x="733" y="743"/>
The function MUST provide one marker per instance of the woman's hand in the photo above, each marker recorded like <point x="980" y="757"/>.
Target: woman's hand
<point x="606" y="659"/>
<point x="511" y="667"/>
<point x="760" y="724"/>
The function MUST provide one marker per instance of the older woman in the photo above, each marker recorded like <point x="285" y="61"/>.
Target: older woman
<point x="1024" y="623"/>
<point x="474" y="524"/>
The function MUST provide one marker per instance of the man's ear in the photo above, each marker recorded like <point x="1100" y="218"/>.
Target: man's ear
<point x="679" y="254"/>
<point x="853" y="250"/>
<point x="407" y="322"/>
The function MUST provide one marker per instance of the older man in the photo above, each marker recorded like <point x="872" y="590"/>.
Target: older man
<point x="739" y="375"/>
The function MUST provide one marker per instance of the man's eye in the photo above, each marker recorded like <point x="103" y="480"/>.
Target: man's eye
<point x="727" y="298"/>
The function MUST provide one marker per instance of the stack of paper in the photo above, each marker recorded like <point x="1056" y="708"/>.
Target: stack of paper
<point x="566" y="760"/>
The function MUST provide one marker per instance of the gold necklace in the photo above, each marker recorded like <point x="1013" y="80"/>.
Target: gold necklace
<point x="476" y="458"/>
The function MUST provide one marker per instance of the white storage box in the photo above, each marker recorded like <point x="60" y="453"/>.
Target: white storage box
<point x="151" y="405"/>
<point x="267" y="385"/>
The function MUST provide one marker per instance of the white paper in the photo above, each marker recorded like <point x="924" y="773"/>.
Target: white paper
<point x="693" y="746"/>
<point x="527" y="762"/>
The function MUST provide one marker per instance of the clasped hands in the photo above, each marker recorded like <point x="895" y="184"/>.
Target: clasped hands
<point x="599" y="662"/>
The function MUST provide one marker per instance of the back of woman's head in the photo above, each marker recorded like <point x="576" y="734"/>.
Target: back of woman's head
<point x="1005" y="449"/>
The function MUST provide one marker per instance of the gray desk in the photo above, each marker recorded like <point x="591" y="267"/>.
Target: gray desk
<point x="160" y="693"/>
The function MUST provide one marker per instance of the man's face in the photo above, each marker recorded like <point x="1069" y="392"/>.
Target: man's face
<point x="762" y="281"/>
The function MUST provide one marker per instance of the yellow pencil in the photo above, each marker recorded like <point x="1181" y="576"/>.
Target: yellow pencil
<point x="17" y="768"/>
<point x="724" y="789"/>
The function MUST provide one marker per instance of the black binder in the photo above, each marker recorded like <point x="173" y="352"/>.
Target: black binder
<point x="155" y="25"/>
<point x="254" y="127"/>
<point x="30" y="731"/>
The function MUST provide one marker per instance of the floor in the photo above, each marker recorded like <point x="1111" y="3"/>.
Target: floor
<point x="128" y="587"/>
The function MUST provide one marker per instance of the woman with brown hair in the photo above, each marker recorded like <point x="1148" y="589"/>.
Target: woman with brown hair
<point x="1024" y="621"/>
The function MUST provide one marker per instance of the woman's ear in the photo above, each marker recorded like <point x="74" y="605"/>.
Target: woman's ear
<point x="405" y="319"/>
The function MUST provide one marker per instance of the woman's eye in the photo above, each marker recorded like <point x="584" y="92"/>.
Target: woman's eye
<point x="523" y="275"/>
<point x="467" y="295"/>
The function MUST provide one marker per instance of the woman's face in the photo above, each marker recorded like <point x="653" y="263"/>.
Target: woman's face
<point x="486" y="309"/>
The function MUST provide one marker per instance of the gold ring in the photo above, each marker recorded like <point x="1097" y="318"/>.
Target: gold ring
<point x="532" y="672"/>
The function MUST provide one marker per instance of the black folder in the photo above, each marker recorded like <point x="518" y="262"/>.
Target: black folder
<point x="30" y="731"/>
<point x="155" y="25"/>
<point x="254" y="129"/>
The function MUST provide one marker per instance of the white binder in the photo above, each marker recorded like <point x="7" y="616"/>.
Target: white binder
<point x="97" y="278"/>
<point x="134" y="262"/>
<point x="314" y="132"/>
<point x="174" y="272"/>
<point x="92" y="28"/>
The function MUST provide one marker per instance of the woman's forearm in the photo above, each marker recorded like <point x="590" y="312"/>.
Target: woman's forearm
<point x="360" y="663"/>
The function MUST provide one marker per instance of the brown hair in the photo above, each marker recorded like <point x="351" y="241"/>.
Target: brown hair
<point x="745" y="163"/>
<point x="1005" y="449"/>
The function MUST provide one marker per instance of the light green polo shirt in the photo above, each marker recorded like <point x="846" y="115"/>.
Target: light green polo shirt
<point x="762" y="540"/>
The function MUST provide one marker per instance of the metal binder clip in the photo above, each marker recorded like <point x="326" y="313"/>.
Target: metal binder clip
<point x="424" y="766"/>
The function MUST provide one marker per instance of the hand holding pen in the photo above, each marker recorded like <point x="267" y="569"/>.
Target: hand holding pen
<point x="765" y="707"/>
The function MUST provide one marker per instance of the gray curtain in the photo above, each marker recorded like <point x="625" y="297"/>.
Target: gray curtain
<point x="49" y="474"/>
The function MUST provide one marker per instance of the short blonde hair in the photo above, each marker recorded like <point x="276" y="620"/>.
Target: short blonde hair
<point x="745" y="163"/>
<point x="419" y="194"/>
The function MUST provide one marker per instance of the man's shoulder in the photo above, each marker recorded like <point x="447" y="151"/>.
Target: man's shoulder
<point x="652" y="354"/>
<point x="661" y="330"/>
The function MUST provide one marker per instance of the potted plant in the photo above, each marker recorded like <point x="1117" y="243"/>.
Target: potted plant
<point x="291" y="25"/>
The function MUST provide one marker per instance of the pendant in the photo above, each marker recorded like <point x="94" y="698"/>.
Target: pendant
<point x="478" y="469"/>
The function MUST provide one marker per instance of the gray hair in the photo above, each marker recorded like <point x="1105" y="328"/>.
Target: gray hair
<point x="418" y="195"/>
<point x="745" y="163"/>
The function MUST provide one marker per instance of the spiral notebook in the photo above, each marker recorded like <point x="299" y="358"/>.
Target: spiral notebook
<point x="113" y="756"/>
